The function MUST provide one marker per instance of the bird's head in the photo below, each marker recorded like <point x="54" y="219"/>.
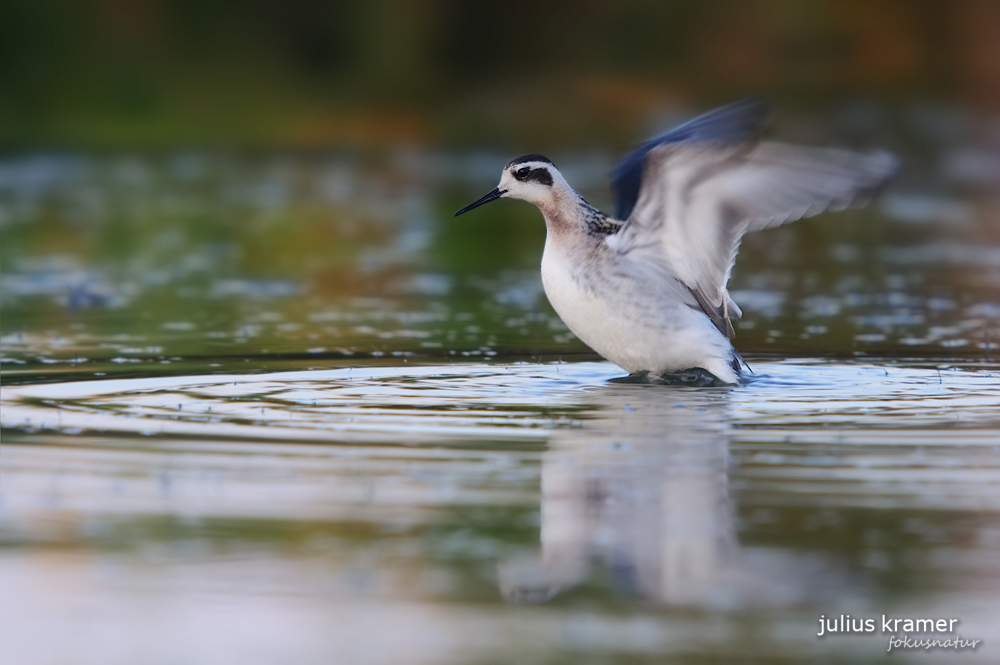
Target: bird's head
<point x="532" y="178"/>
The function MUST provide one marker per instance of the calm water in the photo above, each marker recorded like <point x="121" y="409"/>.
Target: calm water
<point x="285" y="409"/>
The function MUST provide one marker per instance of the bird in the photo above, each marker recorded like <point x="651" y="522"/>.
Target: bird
<point x="647" y="288"/>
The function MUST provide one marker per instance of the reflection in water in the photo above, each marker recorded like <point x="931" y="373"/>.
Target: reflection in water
<point x="360" y="515"/>
<point x="643" y="489"/>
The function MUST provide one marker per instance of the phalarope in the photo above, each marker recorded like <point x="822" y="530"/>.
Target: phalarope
<point x="646" y="289"/>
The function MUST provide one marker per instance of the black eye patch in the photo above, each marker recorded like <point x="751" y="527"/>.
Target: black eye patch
<point x="527" y="174"/>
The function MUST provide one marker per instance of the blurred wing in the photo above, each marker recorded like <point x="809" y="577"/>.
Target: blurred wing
<point x="698" y="199"/>
<point x="739" y="121"/>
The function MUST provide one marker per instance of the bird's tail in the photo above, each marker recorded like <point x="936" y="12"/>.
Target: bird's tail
<point x="738" y="362"/>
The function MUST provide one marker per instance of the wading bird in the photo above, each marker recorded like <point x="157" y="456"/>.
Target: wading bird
<point x="647" y="288"/>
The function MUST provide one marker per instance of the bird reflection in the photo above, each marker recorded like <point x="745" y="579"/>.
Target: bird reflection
<point x="642" y="489"/>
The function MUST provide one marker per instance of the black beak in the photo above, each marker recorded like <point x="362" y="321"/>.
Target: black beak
<point x="492" y="196"/>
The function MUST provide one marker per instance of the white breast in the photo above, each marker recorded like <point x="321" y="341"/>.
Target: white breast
<point x="629" y="322"/>
<point x="584" y="313"/>
<point x="590" y="312"/>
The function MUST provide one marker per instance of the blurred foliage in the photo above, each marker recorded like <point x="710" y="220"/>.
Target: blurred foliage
<point x="215" y="179"/>
<point x="202" y="262"/>
<point x="304" y="73"/>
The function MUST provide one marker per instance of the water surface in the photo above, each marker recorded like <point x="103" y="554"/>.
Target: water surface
<point x="284" y="408"/>
<point x="457" y="513"/>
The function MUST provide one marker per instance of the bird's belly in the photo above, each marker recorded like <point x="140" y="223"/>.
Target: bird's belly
<point x="587" y="317"/>
<point x="594" y="318"/>
<point x="627" y="323"/>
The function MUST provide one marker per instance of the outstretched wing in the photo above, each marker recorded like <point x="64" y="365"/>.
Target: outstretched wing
<point x="740" y="121"/>
<point x="698" y="199"/>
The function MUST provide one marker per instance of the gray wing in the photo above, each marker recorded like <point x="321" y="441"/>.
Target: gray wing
<point x="739" y="121"/>
<point x="698" y="199"/>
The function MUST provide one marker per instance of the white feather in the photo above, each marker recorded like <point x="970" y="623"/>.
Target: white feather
<point x="698" y="200"/>
<point x="649" y="293"/>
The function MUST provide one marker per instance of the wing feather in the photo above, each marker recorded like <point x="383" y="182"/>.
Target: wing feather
<point x="739" y="121"/>
<point x="698" y="199"/>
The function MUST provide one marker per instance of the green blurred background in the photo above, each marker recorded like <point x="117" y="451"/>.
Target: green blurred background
<point x="204" y="186"/>
<point x="191" y="184"/>
<point x="308" y="73"/>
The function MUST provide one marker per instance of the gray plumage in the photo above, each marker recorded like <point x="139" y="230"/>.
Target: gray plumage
<point x="640" y="290"/>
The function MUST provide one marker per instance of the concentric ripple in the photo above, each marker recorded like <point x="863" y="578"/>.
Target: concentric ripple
<point x="412" y="405"/>
<point x="460" y="492"/>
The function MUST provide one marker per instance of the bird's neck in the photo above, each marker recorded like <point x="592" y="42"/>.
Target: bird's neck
<point x="569" y="213"/>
